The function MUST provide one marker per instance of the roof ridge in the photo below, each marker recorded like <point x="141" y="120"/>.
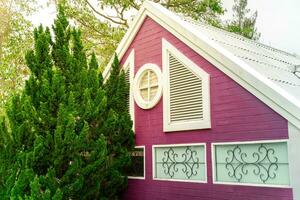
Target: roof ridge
<point x="232" y="34"/>
<point x="253" y="52"/>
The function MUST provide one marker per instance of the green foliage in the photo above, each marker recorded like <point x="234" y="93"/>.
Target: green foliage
<point x="68" y="136"/>
<point x="241" y="24"/>
<point x="104" y="22"/>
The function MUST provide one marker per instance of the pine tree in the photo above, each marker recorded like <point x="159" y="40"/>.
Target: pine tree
<point x="241" y="24"/>
<point x="68" y="135"/>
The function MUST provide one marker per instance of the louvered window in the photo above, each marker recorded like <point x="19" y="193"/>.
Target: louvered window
<point x="128" y="68"/>
<point x="127" y="78"/>
<point x="186" y="92"/>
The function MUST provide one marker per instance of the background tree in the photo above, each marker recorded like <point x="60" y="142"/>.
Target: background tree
<point x="14" y="38"/>
<point x="67" y="135"/>
<point x="104" y="22"/>
<point x="241" y="23"/>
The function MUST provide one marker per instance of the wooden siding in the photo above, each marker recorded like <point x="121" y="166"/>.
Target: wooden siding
<point x="236" y="115"/>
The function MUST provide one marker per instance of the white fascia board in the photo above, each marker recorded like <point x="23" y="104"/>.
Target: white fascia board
<point x="264" y="89"/>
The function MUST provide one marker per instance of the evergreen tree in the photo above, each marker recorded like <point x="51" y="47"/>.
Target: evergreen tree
<point x="241" y="24"/>
<point x="68" y="135"/>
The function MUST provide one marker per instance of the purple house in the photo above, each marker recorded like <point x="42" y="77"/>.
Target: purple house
<point x="216" y="115"/>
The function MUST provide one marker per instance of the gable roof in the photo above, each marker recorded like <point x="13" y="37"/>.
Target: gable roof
<point x="264" y="71"/>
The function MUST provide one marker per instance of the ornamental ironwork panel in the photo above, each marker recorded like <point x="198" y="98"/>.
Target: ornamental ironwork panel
<point x="264" y="163"/>
<point x="183" y="162"/>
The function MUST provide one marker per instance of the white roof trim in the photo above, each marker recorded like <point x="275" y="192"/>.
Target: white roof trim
<point x="275" y="97"/>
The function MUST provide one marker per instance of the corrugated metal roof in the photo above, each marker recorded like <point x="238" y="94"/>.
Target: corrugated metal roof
<point x="277" y="65"/>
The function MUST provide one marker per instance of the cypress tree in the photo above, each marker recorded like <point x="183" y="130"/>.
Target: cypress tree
<point x="67" y="135"/>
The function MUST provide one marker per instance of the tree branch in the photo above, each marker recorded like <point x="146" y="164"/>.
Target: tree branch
<point x="104" y="16"/>
<point x="134" y="5"/>
<point x="82" y="22"/>
<point x="121" y="15"/>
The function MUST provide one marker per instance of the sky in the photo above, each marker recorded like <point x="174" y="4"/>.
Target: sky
<point x="278" y="21"/>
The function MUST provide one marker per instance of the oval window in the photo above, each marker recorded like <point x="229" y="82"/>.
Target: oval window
<point x="148" y="86"/>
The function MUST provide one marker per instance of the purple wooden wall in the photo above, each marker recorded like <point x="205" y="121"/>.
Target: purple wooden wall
<point x="236" y="115"/>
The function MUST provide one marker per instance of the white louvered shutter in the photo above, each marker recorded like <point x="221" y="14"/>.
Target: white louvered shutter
<point x="186" y="92"/>
<point x="128" y="70"/>
<point x="127" y="78"/>
<point x="186" y="101"/>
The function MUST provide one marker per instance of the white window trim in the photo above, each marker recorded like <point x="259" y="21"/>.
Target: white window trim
<point x="138" y="99"/>
<point x="138" y="177"/>
<point x="129" y="65"/>
<point x="243" y="184"/>
<point x="178" y="145"/>
<point x="191" y="124"/>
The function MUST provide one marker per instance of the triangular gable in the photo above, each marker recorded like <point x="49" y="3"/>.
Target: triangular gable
<point x="264" y="89"/>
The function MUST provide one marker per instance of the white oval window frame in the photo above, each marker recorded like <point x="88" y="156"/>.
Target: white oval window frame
<point x="137" y="96"/>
